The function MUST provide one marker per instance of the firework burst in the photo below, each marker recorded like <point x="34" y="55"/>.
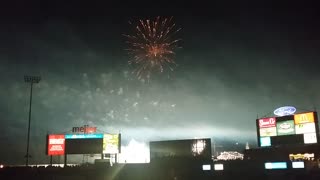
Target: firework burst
<point x="152" y="46"/>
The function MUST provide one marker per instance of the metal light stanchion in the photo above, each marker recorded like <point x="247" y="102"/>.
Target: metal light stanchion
<point x="32" y="80"/>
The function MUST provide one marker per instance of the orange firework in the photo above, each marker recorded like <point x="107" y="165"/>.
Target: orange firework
<point x="152" y="46"/>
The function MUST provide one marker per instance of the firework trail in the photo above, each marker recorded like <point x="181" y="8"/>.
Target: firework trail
<point x="152" y="46"/>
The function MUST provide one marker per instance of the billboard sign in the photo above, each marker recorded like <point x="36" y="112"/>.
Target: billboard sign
<point x="298" y="164"/>
<point x="305" y="128"/>
<point x="218" y="167"/>
<point x="206" y="167"/>
<point x="285" y="127"/>
<point x="310" y="138"/>
<point x="304" y="118"/>
<point x="284" y="111"/>
<point x="111" y="143"/>
<point x="275" y="165"/>
<point x="84" y="136"/>
<point x="265" y="141"/>
<point x="267" y="122"/>
<point x="56" y="144"/>
<point x="303" y="156"/>
<point x="271" y="131"/>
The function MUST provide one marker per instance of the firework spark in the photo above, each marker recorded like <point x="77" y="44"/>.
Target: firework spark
<point x="152" y="46"/>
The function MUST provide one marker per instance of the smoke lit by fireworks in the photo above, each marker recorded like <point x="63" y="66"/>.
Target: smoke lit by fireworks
<point x="152" y="46"/>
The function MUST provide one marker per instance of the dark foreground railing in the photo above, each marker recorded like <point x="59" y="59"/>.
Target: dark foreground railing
<point x="160" y="170"/>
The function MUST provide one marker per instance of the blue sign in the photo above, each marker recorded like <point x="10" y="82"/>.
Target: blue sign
<point x="275" y="165"/>
<point x="285" y="111"/>
<point x="84" y="136"/>
<point x="265" y="141"/>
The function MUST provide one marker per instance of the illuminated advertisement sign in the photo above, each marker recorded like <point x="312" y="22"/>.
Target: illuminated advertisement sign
<point x="284" y="111"/>
<point x="218" y="167"/>
<point x="275" y="165"/>
<point x="84" y="129"/>
<point x="305" y="128"/>
<point x="285" y="128"/>
<point x="298" y="164"/>
<point x="84" y="136"/>
<point x="206" y="167"/>
<point x="272" y="131"/>
<point x="305" y="156"/>
<point x="110" y="143"/>
<point x="265" y="141"/>
<point x="56" y="144"/>
<point x="310" y="138"/>
<point x="304" y="118"/>
<point x="267" y="122"/>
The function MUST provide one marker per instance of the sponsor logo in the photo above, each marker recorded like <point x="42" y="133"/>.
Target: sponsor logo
<point x="284" y="111"/>
<point x="285" y="128"/>
<point x="271" y="131"/>
<point x="56" y="141"/>
<point x="310" y="138"/>
<point x="84" y="129"/>
<point x="303" y="118"/>
<point x="56" y="145"/>
<point x="111" y="143"/>
<point x="301" y="156"/>
<point x="305" y="128"/>
<point x="267" y="122"/>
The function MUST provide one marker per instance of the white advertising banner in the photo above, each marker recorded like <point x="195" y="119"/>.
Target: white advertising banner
<point x="271" y="131"/>
<point x="310" y="138"/>
<point x="305" y="128"/>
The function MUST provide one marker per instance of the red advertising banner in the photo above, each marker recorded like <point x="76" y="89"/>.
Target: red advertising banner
<point x="267" y="122"/>
<point x="56" y="144"/>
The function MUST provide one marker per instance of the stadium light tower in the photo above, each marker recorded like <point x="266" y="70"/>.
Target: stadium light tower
<point x="32" y="80"/>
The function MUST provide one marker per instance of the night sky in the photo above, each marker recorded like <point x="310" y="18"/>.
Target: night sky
<point x="237" y="61"/>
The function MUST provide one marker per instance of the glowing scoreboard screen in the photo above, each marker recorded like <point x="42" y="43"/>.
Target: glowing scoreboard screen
<point x="292" y="129"/>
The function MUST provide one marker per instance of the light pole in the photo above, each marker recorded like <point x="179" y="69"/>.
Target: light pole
<point x="31" y="80"/>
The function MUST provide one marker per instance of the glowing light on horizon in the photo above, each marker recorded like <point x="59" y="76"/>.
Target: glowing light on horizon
<point x="134" y="152"/>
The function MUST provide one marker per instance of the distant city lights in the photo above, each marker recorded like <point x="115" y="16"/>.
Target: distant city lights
<point x="230" y="155"/>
